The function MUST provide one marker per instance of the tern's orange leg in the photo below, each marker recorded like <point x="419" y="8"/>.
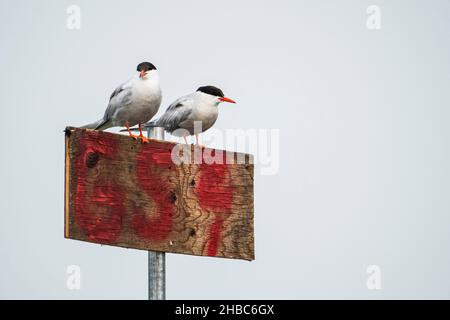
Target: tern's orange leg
<point x="129" y="131"/>
<point x="143" y="138"/>
<point x="196" y="141"/>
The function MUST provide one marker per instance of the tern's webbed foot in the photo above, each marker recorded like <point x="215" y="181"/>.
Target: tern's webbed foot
<point x="127" y="125"/>
<point x="144" y="139"/>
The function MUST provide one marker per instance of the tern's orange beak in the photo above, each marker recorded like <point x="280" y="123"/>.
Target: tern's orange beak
<point x="142" y="74"/>
<point x="225" y="99"/>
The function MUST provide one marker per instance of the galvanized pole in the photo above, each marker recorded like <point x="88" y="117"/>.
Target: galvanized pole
<point x="156" y="260"/>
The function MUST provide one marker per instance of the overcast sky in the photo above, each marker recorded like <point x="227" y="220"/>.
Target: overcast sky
<point x="362" y="116"/>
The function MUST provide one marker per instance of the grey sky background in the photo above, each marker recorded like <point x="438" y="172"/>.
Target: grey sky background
<point x="364" y="141"/>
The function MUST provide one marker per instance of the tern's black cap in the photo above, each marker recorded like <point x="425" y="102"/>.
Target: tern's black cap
<point x="212" y="91"/>
<point x="145" y="66"/>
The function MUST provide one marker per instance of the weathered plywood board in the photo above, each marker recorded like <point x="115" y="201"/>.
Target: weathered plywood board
<point x="125" y="193"/>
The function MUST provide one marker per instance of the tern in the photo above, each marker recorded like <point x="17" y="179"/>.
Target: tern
<point x="133" y="103"/>
<point x="198" y="107"/>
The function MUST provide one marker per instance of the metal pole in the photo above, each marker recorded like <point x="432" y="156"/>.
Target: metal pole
<point x="156" y="260"/>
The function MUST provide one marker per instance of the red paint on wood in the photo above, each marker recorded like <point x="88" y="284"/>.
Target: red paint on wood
<point x="215" y="194"/>
<point x="99" y="209"/>
<point x="110" y="202"/>
<point x="162" y="157"/>
<point x="149" y="163"/>
<point x="213" y="190"/>
<point x="214" y="236"/>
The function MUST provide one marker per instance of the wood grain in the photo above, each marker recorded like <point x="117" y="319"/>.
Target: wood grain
<point x="125" y="193"/>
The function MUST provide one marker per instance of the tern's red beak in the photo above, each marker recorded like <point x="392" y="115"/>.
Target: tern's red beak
<point x="225" y="99"/>
<point x="142" y="74"/>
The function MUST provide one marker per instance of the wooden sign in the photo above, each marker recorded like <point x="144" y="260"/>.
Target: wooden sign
<point x="126" y="193"/>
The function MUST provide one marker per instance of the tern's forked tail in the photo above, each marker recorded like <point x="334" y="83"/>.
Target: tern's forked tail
<point x="101" y="124"/>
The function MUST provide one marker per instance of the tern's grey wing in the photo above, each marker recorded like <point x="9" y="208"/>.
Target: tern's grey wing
<point x="120" y="97"/>
<point x="176" y="113"/>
